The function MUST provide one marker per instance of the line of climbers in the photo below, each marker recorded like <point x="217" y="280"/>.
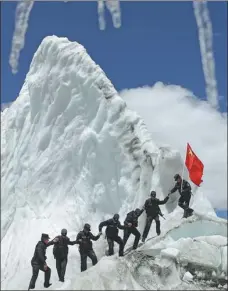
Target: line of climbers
<point x="84" y="237"/>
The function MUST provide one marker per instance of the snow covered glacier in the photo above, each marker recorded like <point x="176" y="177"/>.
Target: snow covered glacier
<point x="72" y="152"/>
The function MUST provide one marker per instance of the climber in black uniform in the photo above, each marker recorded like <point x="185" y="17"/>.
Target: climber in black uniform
<point x="131" y="224"/>
<point x="152" y="211"/>
<point x="184" y="189"/>
<point x="112" y="233"/>
<point x="84" y="238"/>
<point x="38" y="262"/>
<point x="60" y="252"/>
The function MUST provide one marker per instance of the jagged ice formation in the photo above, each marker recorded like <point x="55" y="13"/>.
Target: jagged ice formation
<point x="72" y="152"/>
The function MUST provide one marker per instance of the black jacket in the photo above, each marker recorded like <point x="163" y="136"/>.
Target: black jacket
<point x="39" y="257"/>
<point x="152" y="206"/>
<point x="186" y="188"/>
<point x="60" y="250"/>
<point x="86" y="244"/>
<point x="132" y="218"/>
<point x="112" y="227"/>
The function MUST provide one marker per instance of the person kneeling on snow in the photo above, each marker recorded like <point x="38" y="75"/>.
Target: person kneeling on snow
<point x="131" y="224"/>
<point x="112" y="233"/>
<point x="184" y="189"/>
<point x="84" y="238"/>
<point x="60" y="252"/>
<point x="38" y="262"/>
<point x="152" y="211"/>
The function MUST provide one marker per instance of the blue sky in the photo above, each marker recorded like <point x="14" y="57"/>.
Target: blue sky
<point x="158" y="41"/>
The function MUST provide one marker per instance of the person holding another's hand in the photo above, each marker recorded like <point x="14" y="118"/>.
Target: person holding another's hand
<point x="112" y="229"/>
<point x="131" y="224"/>
<point x="38" y="262"/>
<point x="84" y="238"/>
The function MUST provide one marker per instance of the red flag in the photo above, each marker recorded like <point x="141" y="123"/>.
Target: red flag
<point x="194" y="166"/>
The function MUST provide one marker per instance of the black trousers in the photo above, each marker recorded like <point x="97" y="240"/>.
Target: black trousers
<point x="84" y="254"/>
<point x="61" y="267"/>
<point x="35" y="273"/>
<point x="131" y="230"/>
<point x="184" y="201"/>
<point x="111" y="241"/>
<point x="149" y="220"/>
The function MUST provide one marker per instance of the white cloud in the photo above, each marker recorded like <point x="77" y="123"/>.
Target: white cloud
<point x="175" y="116"/>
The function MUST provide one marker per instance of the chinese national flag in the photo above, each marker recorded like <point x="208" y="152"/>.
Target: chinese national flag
<point x="194" y="166"/>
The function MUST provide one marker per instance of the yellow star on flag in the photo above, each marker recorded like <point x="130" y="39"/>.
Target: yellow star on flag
<point x="190" y="152"/>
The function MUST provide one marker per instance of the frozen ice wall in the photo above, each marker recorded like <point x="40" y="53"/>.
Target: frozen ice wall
<point x="71" y="153"/>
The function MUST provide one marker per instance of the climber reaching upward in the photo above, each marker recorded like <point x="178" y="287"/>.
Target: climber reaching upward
<point x="38" y="262"/>
<point x="152" y="212"/>
<point x="184" y="189"/>
<point x="84" y="238"/>
<point x="60" y="252"/>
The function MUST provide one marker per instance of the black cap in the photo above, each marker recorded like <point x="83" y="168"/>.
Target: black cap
<point x="137" y="210"/>
<point x="44" y="236"/>
<point x="176" y="177"/>
<point x="64" y="232"/>
<point x="116" y="216"/>
<point x="87" y="227"/>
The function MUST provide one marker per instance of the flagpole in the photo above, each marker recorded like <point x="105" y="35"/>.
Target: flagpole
<point x="182" y="177"/>
<point x="195" y="189"/>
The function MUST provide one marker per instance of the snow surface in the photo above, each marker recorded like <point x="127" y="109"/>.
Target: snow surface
<point x="188" y="277"/>
<point x="72" y="152"/>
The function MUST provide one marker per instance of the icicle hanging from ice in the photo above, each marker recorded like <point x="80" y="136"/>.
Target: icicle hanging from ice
<point x="21" y="24"/>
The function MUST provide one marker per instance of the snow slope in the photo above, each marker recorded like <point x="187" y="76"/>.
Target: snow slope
<point x="72" y="152"/>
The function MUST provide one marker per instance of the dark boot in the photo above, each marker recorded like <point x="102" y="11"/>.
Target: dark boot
<point x="119" y="240"/>
<point x="35" y="272"/>
<point x="93" y="257"/>
<point x="31" y="286"/>
<point x="58" y="267"/>
<point x="121" y="250"/>
<point x="127" y="233"/>
<point x="137" y="235"/>
<point x="83" y="261"/>
<point x="185" y="214"/>
<point x="149" y="220"/>
<point x="47" y="276"/>
<point x="110" y="246"/>
<point x="63" y="269"/>
<point x="158" y="230"/>
<point x="189" y="212"/>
